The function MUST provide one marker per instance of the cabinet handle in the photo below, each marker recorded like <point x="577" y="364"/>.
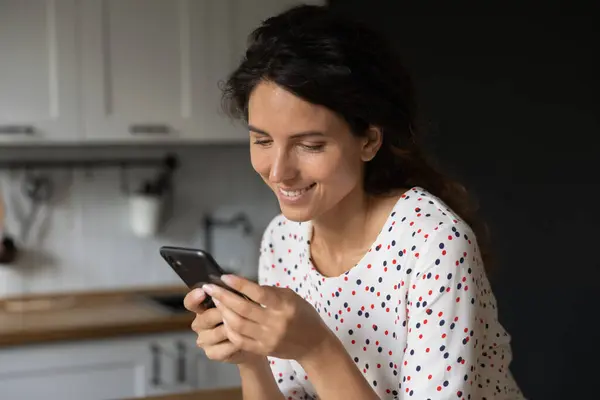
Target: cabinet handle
<point x="17" y="130"/>
<point x="155" y="379"/>
<point x="181" y="364"/>
<point x="149" y="129"/>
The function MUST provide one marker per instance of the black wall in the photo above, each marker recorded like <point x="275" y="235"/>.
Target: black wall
<point x="511" y="95"/>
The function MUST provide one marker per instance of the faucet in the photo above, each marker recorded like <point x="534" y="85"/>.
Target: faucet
<point x="210" y="222"/>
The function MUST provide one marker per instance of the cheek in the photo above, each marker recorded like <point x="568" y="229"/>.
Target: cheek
<point x="338" y="170"/>
<point x="260" y="162"/>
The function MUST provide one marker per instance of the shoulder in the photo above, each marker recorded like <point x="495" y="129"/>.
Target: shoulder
<point x="426" y="229"/>
<point x="451" y="248"/>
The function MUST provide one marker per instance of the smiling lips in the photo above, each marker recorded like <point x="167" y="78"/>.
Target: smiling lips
<point x="295" y="194"/>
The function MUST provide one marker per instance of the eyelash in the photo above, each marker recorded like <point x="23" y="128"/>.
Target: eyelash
<point x="313" y="148"/>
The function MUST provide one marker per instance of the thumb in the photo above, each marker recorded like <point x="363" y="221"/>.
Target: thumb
<point x="193" y="301"/>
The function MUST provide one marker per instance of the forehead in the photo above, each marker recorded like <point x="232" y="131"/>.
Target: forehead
<point x="276" y="110"/>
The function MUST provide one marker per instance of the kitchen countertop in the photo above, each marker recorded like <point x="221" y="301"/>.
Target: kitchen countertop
<point x="88" y="315"/>
<point x="218" y="394"/>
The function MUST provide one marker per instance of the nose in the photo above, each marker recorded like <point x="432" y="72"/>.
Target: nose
<point x="283" y="167"/>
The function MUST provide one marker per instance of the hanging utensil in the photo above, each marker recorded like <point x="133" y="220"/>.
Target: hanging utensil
<point x="38" y="189"/>
<point x="8" y="249"/>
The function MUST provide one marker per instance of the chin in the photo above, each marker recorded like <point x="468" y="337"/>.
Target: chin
<point x="297" y="214"/>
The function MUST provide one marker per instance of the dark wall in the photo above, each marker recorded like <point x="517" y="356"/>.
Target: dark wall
<point x="512" y="105"/>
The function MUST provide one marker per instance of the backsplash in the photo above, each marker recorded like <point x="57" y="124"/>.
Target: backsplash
<point x="86" y="241"/>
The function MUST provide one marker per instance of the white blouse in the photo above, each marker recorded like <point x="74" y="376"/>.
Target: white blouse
<point x="416" y="313"/>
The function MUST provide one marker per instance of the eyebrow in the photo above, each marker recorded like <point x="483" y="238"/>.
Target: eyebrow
<point x="295" y="135"/>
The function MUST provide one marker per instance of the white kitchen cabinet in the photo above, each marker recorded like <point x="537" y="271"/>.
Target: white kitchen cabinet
<point x="110" y="369"/>
<point x="151" y="68"/>
<point x="202" y="373"/>
<point x="38" y="71"/>
<point x="122" y="71"/>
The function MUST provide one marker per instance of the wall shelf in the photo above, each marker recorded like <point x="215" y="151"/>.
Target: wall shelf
<point x="166" y="166"/>
<point x="169" y="162"/>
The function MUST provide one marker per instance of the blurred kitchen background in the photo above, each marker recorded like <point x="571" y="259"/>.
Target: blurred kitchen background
<point x="112" y="143"/>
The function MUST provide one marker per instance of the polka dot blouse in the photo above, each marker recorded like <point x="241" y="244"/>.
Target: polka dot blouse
<point x="416" y="313"/>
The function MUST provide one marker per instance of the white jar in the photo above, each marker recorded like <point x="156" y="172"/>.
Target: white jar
<point x="145" y="214"/>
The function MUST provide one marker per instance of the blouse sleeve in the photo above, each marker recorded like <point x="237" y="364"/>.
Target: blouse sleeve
<point x="443" y="327"/>
<point x="282" y="370"/>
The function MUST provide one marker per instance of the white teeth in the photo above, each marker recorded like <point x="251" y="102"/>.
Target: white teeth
<point x="295" y="193"/>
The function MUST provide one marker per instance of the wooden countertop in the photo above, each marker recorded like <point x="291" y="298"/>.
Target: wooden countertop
<point x="218" y="394"/>
<point x="87" y="315"/>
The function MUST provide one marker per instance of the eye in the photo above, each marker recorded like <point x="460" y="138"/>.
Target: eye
<point x="263" y="142"/>
<point x="313" y="147"/>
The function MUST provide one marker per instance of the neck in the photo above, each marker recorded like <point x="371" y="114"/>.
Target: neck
<point x="349" y="217"/>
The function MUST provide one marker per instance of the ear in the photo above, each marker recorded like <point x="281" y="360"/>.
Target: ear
<point x="371" y="143"/>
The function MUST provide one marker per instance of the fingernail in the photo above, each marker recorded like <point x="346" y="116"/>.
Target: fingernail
<point x="217" y="302"/>
<point x="208" y="289"/>
<point x="200" y="292"/>
<point x="228" y="279"/>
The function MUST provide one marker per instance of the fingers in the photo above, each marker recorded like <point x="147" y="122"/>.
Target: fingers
<point x="221" y="351"/>
<point x="208" y="319"/>
<point x="236" y="303"/>
<point x="193" y="301"/>
<point x="242" y="342"/>
<point x="239" y="324"/>
<point x="256" y="292"/>
<point x="211" y="337"/>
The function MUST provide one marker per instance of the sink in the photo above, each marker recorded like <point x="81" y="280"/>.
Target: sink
<point x="169" y="302"/>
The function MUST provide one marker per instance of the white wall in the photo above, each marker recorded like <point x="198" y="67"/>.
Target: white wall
<point x="88" y="243"/>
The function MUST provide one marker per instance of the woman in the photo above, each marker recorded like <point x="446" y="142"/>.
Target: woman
<point x="372" y="282"/>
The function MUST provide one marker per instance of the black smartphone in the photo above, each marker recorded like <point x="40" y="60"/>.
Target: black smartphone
<point x="196" y="267"/>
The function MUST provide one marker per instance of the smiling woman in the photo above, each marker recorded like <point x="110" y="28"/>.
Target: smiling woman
<point x="305" y="152"/>
<point x="372" y="279"/>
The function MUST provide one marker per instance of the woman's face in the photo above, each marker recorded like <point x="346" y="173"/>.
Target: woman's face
<point x="304" y="152"/>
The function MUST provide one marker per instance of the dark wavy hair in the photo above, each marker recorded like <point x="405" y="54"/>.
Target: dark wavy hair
<point x="350" y="69"/>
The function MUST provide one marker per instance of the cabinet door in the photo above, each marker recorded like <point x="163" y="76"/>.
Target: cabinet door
<point x="183" y="367"/>
<point x="87" y="370"/>
<point x="150" y="70"/>
<point x="216" y="375"/>
<point x="208" y="374"/>
<point x="133" y="69"/>
<point x="172" y="366"/>
<point x="38" y="71"/>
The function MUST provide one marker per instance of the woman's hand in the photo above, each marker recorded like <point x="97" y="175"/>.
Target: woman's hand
<point x="212" y="337"/>
<point x="285" y="326"/>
